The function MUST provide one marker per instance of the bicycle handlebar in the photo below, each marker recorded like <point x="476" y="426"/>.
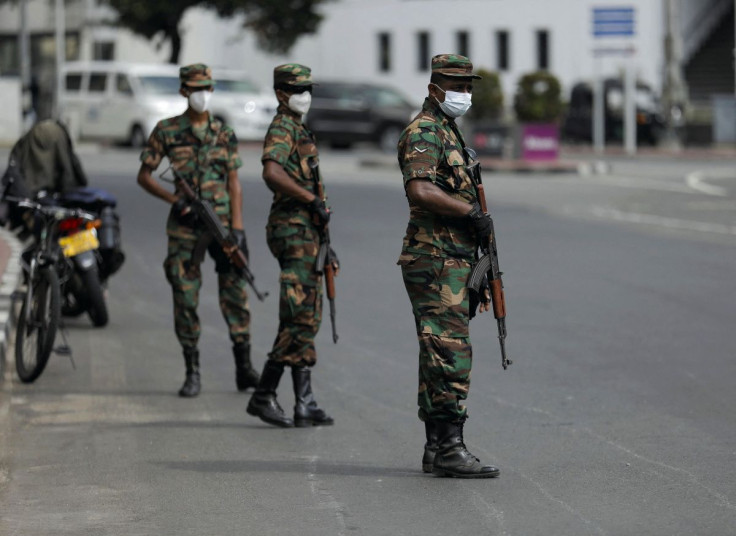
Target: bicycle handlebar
<point x="57" y="212"/>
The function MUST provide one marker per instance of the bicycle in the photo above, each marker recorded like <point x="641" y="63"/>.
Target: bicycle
<point x="45" y="269"/>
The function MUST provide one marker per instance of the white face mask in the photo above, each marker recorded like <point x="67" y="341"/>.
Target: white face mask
<point x="300" y="102"/>
<point x="455" y="104"/>
<point x="200" y="100"/>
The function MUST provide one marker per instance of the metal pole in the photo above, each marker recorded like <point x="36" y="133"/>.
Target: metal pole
<point x="60" y="31"/>
<point x="25" y="59"/>
<point x="630" y="107"/>
<point x="599" y="116"/>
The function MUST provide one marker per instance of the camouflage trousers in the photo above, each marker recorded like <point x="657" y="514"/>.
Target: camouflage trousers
<point x="300" y="299"/>
<point x="439" y="300"/>
<point x="186" y="280"/>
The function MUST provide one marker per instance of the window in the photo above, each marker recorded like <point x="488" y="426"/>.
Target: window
<point x="73" y="82"/>
<point x="502" y="50"/>
<point x="542" y="50"/>
<point x="423" y="61"/>
<point x="160" y="85"/>
<point x="463" y="43"/>
<point x="384" y="52"/>
<point x="97" y="82"/>
<point x="103" y="50"/>
<point x="123" y="85"/>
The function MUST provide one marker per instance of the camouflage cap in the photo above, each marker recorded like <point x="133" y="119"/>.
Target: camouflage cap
<point x="196" y="75"/>
<point x="453" y="65"/>
<point x="292" y="74"/>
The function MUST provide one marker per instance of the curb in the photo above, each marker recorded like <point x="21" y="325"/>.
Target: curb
<point x="8" y="284"/>
<point x="491" y="165"/>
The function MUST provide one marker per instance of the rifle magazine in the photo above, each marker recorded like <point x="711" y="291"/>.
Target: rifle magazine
<point x="478" y="273"/>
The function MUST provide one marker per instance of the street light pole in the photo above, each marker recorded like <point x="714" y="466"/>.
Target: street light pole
<point x="60" y="38"/>
<point x="24" y="50"/>
<point x="674" y="92"/>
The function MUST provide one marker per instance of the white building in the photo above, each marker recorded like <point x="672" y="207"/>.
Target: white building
<point x="391" y="41"/>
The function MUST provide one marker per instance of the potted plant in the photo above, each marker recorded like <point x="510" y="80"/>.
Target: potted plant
<point x="488" y="130"/>
<point x="538" y="106"/>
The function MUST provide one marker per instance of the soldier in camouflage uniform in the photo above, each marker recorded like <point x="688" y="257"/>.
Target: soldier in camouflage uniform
<point x="293" y="237"/>
<point x="204" y="152"/>
<point x="438" y="250"/>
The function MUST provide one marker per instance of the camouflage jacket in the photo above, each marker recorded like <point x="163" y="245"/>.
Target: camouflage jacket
<point x="431" y="148"/>
<point x="205" y="164"/>
<point x="290" y="144"/>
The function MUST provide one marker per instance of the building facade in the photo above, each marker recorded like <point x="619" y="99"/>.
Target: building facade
<point x="392" y="41"/>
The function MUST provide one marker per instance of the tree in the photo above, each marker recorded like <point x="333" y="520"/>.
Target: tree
<point x="538" y="98"/>
<point x="277" y="23"/>
<point x="487" y="96"/>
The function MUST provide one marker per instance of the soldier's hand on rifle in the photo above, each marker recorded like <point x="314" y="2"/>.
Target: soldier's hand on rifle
<point x="481" y="298"/>
<point x="183" y="212"/>
<point x="318" y="208"/>
<point x="240" y="241"/>
<point x="481" y="222"/>
<point x="335" y="261"/>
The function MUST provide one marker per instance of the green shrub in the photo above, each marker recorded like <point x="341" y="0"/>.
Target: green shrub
<point x="538" y="98"/>
<point x="487" y="96"/>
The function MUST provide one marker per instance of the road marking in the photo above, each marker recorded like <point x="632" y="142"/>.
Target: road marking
<point x="696" y="182"/>
<point x="670" y="223"/>
<point x="639" y="183"/>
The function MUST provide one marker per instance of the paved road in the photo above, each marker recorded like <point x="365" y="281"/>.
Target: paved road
<point x="616" y="417"/>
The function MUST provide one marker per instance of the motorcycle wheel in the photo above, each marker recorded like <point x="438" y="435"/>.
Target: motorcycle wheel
<point x="96" y="306"/>
<point x="73" y="301"/>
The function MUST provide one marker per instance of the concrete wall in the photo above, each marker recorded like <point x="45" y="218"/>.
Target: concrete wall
<point x="11" y="111"/>
<point x="347" y="45"/>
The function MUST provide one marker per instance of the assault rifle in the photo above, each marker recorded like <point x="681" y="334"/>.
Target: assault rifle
<point x="487" y="265"/>
<point x="206" y="214"/>
<point x="326" y="258"/>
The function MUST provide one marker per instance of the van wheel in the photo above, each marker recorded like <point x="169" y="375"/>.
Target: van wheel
<point x="388" y="139"/>
<point x="137" y="137"/>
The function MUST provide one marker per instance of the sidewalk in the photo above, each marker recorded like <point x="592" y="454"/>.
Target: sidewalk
<point x="10" y="249"/>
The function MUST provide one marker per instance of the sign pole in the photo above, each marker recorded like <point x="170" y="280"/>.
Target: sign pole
<point x="630" y="108"/>
<point x="599" y="116"/>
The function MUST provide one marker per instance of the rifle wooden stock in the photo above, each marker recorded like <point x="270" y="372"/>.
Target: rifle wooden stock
<point x="325" y="262"/>
<point x="487" y="266"/>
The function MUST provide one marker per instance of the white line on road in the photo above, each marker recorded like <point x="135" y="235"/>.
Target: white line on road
<point x="670" y="223"/>
<point x="696" y="182"/>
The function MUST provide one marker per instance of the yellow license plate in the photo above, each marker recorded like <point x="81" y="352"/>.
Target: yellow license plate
<point x="79" y="242"/>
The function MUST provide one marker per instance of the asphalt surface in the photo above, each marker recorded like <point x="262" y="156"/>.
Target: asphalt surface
<point x="616" y="417"/>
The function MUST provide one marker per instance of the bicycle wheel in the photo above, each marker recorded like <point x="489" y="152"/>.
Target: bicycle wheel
<point x="36" y="332"/>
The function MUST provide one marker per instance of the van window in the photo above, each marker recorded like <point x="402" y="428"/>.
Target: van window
<point x="97" y="82"/>
<point x="236" y="86"/>
<point x="160" y="85"/>
<point x="73" y="82"/>
<point x="122" y="85"/>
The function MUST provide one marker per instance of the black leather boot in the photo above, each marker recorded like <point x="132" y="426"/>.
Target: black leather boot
<point x="263" y="403"/>
<point x="245" y="375"/>
<point x="191" y="383"/>
<point x="306" y="411"/>
<point x="453" y="459"/>
<point x="430" y="447"/>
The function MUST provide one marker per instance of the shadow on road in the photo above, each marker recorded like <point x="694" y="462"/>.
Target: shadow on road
<point x="286" y="466"/>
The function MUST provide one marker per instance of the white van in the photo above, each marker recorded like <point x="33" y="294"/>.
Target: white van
<point x="123" y="101"/>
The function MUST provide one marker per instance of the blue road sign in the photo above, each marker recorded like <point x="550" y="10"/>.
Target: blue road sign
<point x="614" y="21"/>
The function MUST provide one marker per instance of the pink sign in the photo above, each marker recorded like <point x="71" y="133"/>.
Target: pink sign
<point x="540" y="142"/>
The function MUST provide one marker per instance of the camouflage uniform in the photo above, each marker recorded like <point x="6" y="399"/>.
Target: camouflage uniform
<point x="436" y="260"/>
<point x="292" y="236"/>
<point x="204" y="163"/>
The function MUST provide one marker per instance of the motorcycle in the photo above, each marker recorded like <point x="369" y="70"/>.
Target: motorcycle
<point x="93" y="250"/>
